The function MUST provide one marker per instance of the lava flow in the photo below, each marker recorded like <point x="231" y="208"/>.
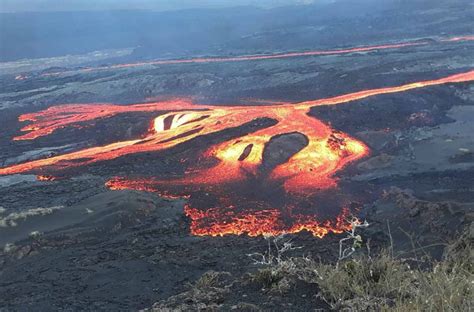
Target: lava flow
<point x="237" y="162"/>
<point x="257" y="57"/>
<point x="45" y="178"/>
<point x="460" y="38"/>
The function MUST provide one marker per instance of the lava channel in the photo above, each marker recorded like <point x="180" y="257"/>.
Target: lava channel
<point x="309" y="172"/>
<point x="390" y="46"/>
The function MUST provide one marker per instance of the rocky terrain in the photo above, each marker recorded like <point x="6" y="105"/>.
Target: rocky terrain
<point x="73" y="244"/>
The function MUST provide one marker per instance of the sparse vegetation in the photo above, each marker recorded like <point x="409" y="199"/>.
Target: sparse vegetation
<point x="274" y="275"/>
<point x="206" y="294"/>
<point x="210" y="279"/>
<point x="383" y="282"/>
<point x="35" y="234"/>
<point x="353" y="238"/>
<point x="354" y="281"/>
<point x="8" y="247"/>
<point x="273" y="278"/>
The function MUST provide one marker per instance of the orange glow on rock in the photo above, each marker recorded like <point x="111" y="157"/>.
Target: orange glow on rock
<point x="305" y="173"/>
<point x="45" y="178"/>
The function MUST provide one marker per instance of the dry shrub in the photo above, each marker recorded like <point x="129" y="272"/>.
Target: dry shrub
<point x="206" y="294"/>
<point x="209" y="279"/>
<point x="365" y="283"/>
<point x="277" y="273"/>
<point x="274" y="279"/>
<point x="267" y="277"/>
<point x="448" y="286"/>
<point x="383" y="283"/>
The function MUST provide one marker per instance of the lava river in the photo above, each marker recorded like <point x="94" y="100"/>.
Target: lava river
<point x="234" y="163"/>
<point x="262" y="57"/>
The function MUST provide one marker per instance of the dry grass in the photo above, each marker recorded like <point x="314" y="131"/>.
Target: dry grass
<point x="382" y="283"/>
<point x="274" y="279"/>
<point x="208" y="279"/>
<point x="206" y="294"/>
<point x="448" y="287"/>
<point x="364" y="283"/>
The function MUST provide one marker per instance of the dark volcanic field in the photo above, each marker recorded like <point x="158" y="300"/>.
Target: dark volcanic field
<point x="98" y="249"/>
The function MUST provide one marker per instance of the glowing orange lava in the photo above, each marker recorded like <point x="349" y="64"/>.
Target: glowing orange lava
<point x="460" y="38"/>
<point x="45" y="178"/>
<point x="253" y="221"/>
<point x="224" y="221"/>
<point x="238" y="161"/>
<point x="265" y="56"/>
<point x="21" y="77"/>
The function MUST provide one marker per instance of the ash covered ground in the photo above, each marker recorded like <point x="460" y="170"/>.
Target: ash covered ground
<point x="74" y="244"/>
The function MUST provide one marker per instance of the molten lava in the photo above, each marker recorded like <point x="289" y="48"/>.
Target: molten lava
<point x="45" y="178"/>
<point x="225" y="221"/>
<point x="460" y="38"/>
<point x="307" y="172"/>
<point x="267" y="56"/>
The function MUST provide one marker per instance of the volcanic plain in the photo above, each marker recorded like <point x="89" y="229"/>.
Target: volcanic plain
<point x="122" y="184"/>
